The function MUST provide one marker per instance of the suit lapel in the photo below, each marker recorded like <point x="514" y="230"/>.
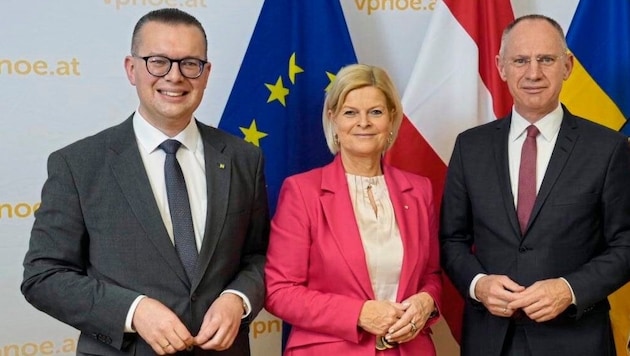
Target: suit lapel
<point x="567" y="137"/>
<point x="339" y="213"/>
<point x="129" y="172"/>
<point x="500" y="144"/>
<point x="218" y="173"/>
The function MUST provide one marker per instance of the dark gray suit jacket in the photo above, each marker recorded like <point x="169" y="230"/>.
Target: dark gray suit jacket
<point x="98" y="240"/>
<point x="579" y="229"/>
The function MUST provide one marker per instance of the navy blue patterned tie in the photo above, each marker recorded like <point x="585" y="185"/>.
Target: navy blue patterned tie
<point x="179" y="206"/>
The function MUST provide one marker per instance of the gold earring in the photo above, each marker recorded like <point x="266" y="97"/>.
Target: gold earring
<point x="390" y="139"/>
<point x="336" y="140"/>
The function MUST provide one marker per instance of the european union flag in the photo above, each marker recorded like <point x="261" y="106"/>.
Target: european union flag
<point x="277" y="99"/>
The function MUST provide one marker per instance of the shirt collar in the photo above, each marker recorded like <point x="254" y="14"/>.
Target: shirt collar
<point x="548" y="125"/>
<point x="150" y="137"/>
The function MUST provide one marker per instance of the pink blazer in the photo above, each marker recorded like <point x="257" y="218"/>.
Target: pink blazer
<point x="316" y="274"/>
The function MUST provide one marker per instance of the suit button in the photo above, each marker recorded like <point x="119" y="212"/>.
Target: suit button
<point x="103" y="338"/>
<point x="193" y="298"/>
<point x="522" y="249"/>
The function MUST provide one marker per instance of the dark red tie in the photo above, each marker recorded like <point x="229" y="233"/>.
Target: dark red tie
<point x="527" y="178"/>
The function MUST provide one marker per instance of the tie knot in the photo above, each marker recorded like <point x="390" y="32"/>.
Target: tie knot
<point x="170" y="146"/>
<point x="532" y="131"/>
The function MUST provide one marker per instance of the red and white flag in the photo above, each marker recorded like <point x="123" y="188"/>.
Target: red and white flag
<point x="454" y="86"/>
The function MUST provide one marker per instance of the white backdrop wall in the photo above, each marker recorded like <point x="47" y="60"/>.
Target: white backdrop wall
<point x="62" y="78"/>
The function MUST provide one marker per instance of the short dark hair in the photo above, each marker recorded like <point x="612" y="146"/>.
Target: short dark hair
<point x="168" y="16"/>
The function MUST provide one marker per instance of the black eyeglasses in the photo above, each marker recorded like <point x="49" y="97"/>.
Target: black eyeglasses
<point x="159" y="66"/>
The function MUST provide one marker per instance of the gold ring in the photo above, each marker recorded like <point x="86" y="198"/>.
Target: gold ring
<point x="167" y="345"/>
<point x="505" y="310"/>
<point x="414" y="328"/>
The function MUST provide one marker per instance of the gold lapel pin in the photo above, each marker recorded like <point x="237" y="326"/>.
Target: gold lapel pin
<point x="221" y="165"/>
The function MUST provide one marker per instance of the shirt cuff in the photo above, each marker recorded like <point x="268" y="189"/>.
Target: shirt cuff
<point x="132" y="309"/>
<point x="573" y="301"/>
<point x="246" y="304"/>
<point x="473" y="284"/>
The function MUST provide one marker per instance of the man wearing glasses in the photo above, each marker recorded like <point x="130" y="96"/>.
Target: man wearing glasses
<point x="151" y="235"/>
<point x="535" y="227"/>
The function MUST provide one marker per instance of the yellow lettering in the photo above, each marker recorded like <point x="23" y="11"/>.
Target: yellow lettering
<point x="39" y="67"/>
<point x="158" y="3"/>
<point x="120" y="3"/>
<point x="46" y="347"/>
<point x="11" y="350"/>
<point x="69" y="345"/>
<point x="19" y="210"/>
<point x="192" y="3"/>
<point x="7" y="64"/>
<point x="22" y="210"/>
<point x="373" y="5"/>
<point x="265" y="327"/>
<point x="63" y="68"/>
<point x="8" y="208"/>
<point x="22" y="67"/>
<point x="29" y="349"/>
<point x="394" y="5"/>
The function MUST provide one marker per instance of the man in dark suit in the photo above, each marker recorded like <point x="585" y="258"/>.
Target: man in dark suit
<point x="104" y="253"/>
<point x="535" y="240"/>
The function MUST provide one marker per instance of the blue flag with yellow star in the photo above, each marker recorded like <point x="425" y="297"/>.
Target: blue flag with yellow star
<point x="277" y="99"/>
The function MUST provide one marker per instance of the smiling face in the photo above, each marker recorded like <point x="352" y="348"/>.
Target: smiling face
<point x="168" y="102"/>
<point x="534" y="84"/>
<point x="363" y="124"/>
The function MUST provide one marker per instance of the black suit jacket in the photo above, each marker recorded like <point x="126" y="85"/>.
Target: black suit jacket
<point x="579" y="229"/>
<point x="98" y="240"/>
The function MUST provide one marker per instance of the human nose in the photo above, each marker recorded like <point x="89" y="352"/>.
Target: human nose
<point x="175" y="73"/>
<point x="364" y="120"/>
<point x="534" y="69"/>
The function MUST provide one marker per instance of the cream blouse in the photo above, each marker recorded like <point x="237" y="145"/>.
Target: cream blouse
<point x="379" y="233"/>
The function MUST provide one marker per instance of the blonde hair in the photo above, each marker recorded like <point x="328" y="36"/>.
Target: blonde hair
<point x="353" y="77"/>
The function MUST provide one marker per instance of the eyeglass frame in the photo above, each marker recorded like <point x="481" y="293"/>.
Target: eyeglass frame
<point x="540" y="59"/>
<point x="202" y="65"/>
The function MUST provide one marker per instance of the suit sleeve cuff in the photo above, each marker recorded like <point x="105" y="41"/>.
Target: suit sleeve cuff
<point x="473" y="284"/>
<point x="247" y="307"/>
<point x="132" y="309"/>
<point x="573" y="301"/>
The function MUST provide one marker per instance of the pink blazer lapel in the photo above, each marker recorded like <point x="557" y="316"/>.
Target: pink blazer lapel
<point x="338" y="211"/>
<point x="407" y="211"/>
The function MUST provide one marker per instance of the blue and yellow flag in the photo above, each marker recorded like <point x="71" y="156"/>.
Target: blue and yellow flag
<point x="277" y="99"/>
<point x="599" y="90"/>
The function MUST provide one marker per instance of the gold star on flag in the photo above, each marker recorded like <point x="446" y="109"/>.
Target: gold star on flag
<point x="331" y="79"/>
<point x="293" y="69"/>
<point x="252" y="135"/>
<point x="278" y="92"/>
